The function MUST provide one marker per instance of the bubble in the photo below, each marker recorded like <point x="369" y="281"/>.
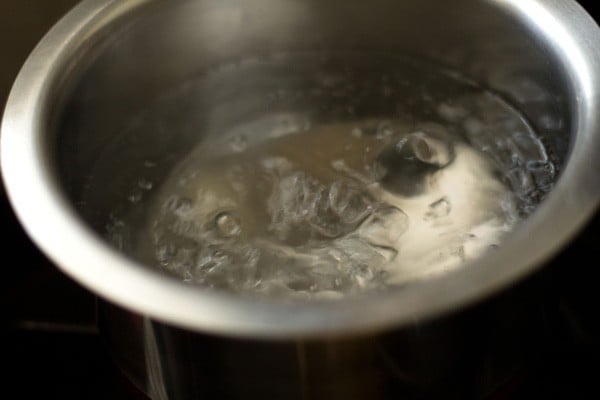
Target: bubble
<point x="349" y="203"/>
<point x="164" y="254"/>
<point x="278" y="165"/>
<point x="118" y="233"/>
<point x="439" y="209"/>
<point x="385" y="226"/>
<point x="541" y="166"/>
<point x="228" y="224"/>
<point x="145" y="184"/>
<point x="294" y="205"/>
<point x="182" y="207"/>
<point x="420" y="147"/>
<point x="330" y="80"/>
<point x="180" y="260"/>
<point x="473" y="127"/>
<point x="340" y="165"/>
<point x="389" y="254"/>
<point x="363" y="275"/>
<point x="135" y="197"/>
<point x="235" y="176"/>
<point x="356" y="132"/>
<point x="543" y="173"/>
<point x="384" y="130"/>
<point x="460" y="253"/>
<point x="209" y="261"/>
<point x="238" y="143"/>
<point x="185" y="228"/>
<point x="356" y="252"/>
<point x="326" y="227"/>
<point x="452" y="113"/>
<point x="520" y="180"/>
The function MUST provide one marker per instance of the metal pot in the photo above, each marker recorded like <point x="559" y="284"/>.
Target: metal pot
<point x="104" y="61"/>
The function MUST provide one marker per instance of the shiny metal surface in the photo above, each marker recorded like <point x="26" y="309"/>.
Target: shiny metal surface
<point x="105" y="59"/>
<point x="470" y="355"/>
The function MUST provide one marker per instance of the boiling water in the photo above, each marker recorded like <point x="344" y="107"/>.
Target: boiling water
<point x="348" y="179"/>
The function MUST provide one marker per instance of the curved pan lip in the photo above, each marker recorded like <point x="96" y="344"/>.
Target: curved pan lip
<point x="75" y="249"/>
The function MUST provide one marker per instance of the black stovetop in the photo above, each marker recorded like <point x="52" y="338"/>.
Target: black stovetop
<point x="51" y="348"/>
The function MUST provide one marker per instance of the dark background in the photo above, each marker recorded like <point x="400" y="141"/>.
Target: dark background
<point x="48" y="339"/>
